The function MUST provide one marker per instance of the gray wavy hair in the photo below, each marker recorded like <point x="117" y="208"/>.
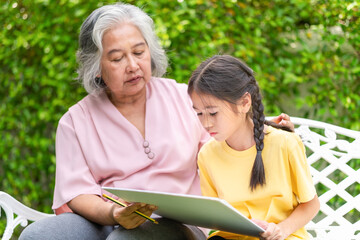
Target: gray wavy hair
<point x="90" y="41"/>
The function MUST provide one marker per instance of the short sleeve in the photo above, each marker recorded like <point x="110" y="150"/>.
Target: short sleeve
<point x="73" y="177"/>
<point x="302" y="183"/>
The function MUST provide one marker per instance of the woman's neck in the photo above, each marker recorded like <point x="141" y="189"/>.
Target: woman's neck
<point x="132" y="108"/>
<point x="121" y="101"/>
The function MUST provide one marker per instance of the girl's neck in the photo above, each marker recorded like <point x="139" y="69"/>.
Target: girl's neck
<point x="243" y="138"/>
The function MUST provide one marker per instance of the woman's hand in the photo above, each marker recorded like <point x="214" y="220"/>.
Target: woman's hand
<point x="127" y="217"/>
<point x="284" y="119"/>
<point x="272" y="230"/>
<point x="95" y="209"/>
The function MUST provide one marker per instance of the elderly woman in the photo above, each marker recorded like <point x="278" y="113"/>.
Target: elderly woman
<point x="134" y="130"/>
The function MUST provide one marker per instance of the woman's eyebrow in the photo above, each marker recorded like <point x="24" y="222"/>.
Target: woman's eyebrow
<point x="121" y="50"/>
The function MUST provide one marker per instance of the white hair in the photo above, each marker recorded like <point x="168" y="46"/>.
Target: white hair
<point x="90" y="41"/>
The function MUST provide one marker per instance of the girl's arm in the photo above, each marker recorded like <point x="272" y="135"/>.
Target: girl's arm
<point x="95" y="209"/>
<point x="301" y="215"/>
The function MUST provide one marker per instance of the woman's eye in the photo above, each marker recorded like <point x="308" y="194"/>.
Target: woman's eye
<point x="213" y="114"/>
<point x="117" y="59"/>
<point x="138" y="53"/>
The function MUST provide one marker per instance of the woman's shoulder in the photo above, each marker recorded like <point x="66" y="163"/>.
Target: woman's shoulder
<point x="170" y="85"/>
<point x="82" y="108"/>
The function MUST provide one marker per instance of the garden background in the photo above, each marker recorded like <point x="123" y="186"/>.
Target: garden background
<point x="305" y="53"/>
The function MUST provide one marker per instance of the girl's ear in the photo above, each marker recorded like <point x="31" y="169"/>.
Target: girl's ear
<point x="245" y="103"/>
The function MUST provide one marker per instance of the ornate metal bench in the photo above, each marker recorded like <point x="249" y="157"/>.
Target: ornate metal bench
<point x="334" y="157"/>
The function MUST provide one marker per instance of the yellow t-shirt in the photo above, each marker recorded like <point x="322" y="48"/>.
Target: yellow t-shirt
<point x="225" y="173"/>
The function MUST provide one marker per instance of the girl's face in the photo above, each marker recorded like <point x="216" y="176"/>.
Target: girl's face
<point x="125" y="61"/>
<point x="219" y="117"/>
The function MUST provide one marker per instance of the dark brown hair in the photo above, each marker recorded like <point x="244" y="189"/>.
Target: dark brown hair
<point x="228" y="78"/>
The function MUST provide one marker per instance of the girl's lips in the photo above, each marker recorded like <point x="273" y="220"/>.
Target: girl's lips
<point x="213" y="134"/>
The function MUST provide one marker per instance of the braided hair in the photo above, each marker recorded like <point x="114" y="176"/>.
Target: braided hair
<point x="228" y="78"/>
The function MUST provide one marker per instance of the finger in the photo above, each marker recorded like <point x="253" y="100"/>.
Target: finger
<point x="276" y="119"/>
<point x="144" y="209"/>
<point x="152" y="207"/>
<point x="262" y="224"/>
<point x="148" y="209"/>
<point x="275" y="231"/>
<point x="129" y="221"/>
<point x="284" y="116"/>
<point x="288" y="124"/>
<point x="132" y="208"/>
<point x="269" y="232"/>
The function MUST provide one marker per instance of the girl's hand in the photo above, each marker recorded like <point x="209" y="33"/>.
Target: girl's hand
<point x="272" y="230"/>
<point x="126" y="216"/>
<point x="284" y="119"/>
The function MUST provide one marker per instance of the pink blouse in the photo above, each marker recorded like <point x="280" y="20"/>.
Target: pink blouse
<point x="96" y="146"/>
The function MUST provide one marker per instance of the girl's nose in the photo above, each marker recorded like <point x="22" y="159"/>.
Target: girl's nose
<point x="207" y="123"/>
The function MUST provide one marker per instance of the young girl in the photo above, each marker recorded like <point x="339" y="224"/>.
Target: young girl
<point x="260" y="170"/>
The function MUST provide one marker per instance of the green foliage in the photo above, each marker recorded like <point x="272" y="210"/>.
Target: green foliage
<point x="306" y="55"/>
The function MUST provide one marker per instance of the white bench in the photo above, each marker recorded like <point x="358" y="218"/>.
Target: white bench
<point x="334" y="157"/>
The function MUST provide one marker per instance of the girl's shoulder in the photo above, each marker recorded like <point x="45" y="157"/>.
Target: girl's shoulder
<point x="211" y="146"/>
<point x="282" y="137"/>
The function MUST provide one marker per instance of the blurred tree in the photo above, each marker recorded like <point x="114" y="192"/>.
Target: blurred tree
<point x="305" y="54"/>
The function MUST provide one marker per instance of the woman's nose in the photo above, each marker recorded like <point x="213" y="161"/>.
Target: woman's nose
<point x="132" y="65"/>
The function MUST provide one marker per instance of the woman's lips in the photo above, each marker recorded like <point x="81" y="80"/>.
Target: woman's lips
<point x="134" y="80"/>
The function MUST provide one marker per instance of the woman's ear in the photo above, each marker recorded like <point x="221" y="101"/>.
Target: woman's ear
<point x="245" y="103"/>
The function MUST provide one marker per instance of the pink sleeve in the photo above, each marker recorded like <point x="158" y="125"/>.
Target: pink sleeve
<point x="73" y="176"/>
<point x="205" y="137"/>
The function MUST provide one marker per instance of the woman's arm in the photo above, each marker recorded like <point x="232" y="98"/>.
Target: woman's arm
<point x="301" y="215"/>
<point x="95" y="209"/>
<point x="284" y="120"/>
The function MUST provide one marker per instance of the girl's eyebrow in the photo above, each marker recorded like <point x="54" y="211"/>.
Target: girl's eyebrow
<point x="207" y="107"/>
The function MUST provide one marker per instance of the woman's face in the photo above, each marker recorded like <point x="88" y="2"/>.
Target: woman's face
<point x="126" y="61"/>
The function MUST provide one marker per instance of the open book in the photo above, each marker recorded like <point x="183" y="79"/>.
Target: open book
<point x="207" y="212"/>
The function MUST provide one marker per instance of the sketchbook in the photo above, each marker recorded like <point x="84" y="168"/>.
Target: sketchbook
<point x="207" y="212"/>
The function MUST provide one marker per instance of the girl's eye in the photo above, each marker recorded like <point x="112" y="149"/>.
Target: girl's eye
<point x="199" y="114"/>
<point x="213" y="114"/>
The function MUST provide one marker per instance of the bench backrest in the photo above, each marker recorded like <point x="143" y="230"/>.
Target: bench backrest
<point x="334" y="157"/>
